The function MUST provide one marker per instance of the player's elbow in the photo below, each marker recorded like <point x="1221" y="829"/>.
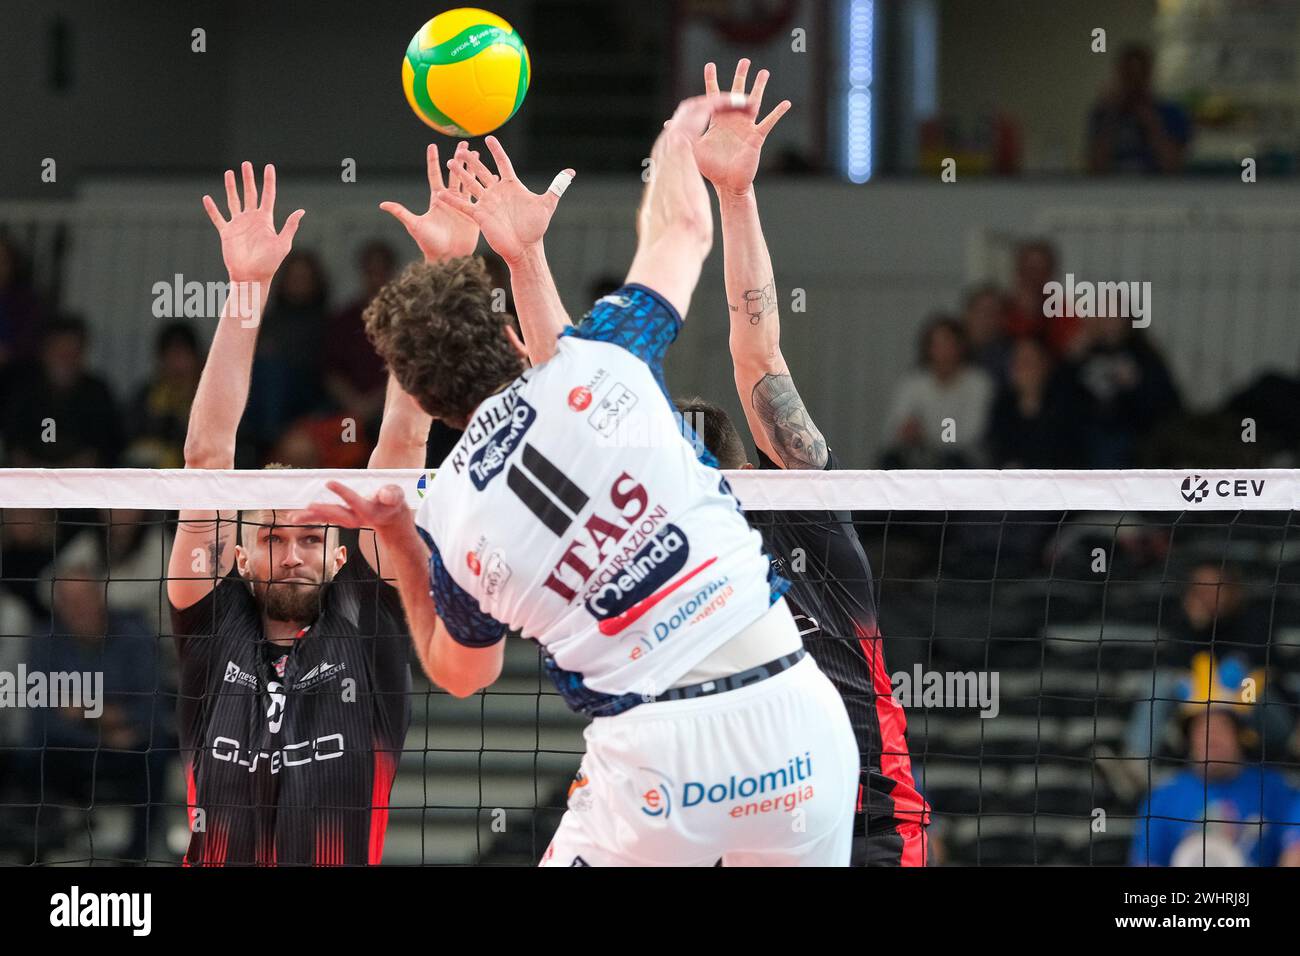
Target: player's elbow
<point x="458" y="683"/>
<point x="465" y="678"/>
<point x="461" y="689"/>
<point x="205" y="453"/>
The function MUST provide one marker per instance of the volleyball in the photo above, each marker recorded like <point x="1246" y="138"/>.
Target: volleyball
<point x="465" y="72"/>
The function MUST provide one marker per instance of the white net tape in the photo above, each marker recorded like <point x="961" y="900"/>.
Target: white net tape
<point x="902" y="490"/>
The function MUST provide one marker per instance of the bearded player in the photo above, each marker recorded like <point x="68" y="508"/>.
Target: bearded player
<point x="831" y="583"/>
<point x="294" y="677"/>
<point x="713" y="734"/>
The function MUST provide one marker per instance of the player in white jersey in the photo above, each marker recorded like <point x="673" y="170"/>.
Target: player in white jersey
<point x="575" y="511"/>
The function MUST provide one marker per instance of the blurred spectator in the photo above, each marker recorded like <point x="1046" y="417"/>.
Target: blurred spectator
<point x="1291" y="838"/>
<point x="323" y="441"/>
<point x="16" y="624"/>
<point x="355" y="377"/>
<point x="160" y="414"/>
<point x="21" y="313"/>
<point x="1273" y="401"/>
<point x="1214" y="609"/>
<point x="984" y="317"/>
<point x="1213" y="615"/>
<point x="1127" y="391"/>
<point x="133" y="545"/>
<point x="1035" y="416"/>
<point x="1036" y="265"/>
<point x="28" y="538"/>
<point x="1129" y="130"/>
<point x="939" y="413"/>
<point x="286" y="379"/>
<point x="120" y="756"/>
<point x="57" y="413"/>
<point x="1212" y="812"/>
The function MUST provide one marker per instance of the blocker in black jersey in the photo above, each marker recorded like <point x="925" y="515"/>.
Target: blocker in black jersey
<point x="832" y="599"/>
<point x="290" y="752"/>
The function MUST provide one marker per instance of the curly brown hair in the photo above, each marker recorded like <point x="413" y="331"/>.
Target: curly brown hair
<point x="434" y="327"/>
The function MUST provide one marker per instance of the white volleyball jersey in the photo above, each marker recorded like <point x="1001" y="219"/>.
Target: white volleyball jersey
<point x="574" y="511"/>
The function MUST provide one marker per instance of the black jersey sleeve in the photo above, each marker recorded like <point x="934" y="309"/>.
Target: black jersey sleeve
<point x="227" y="611"/>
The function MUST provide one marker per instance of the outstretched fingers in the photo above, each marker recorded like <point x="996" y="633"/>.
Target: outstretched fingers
<point x="504" y="166"/>
<point x="398" y="212"/>
<point x="479" y="168"/>
<point x="322" y="513"/>
<point x="250" y="185"/>
<point x="232" y="195"/>
<point x="692" y="114"/>
<point x="461" y="174"/>
<point x="771" y="119"/>
<point x="742" y="73"/>
<point x="558" y="187"/>
<point x="291" y="225"/>
<point x="268" y="191"/>
<point x="355" y="501"/>
<point x="434" y="169"/>
<point x="710" y="78"/>
<point x="756" y="94"/>
<point x="214" y="213"/>
<point x="458" y="202"/>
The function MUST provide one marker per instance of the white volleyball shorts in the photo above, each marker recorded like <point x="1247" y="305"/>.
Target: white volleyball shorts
<point x="764" y="775"/>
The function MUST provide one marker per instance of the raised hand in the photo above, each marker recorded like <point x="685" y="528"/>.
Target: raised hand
<point x="386" y="510"/>
<point x="250" y="246"/>
<point x="443" y="231"/>
<point x="511" y="217"/>
<point x="728" y="152"/>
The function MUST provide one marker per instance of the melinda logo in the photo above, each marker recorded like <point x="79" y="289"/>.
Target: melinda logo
<point x="486" y="463"/>
<point x="652" y="566"/>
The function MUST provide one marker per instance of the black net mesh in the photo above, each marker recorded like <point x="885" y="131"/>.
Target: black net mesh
<point x="1055" y="670"/>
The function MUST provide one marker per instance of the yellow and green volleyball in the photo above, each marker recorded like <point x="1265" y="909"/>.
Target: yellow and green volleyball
<point x="465" y="72"/>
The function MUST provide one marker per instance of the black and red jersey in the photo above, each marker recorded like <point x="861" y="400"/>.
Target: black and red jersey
<point x="832" y="598"/>
<point x="290" y="752"/>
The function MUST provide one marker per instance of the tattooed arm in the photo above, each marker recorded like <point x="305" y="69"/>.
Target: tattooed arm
<point x="782" y="428"/>
<point x="728" y="155"/>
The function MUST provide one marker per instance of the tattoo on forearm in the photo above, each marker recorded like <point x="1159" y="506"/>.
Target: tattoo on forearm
<point x="214" y="557"/>
<point x="795" y="439"/>
<point x="757" y="303"/>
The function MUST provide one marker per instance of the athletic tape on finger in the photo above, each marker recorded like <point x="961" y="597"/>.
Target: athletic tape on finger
<point x="738" y="100"/>
<point x="560" y="183"/>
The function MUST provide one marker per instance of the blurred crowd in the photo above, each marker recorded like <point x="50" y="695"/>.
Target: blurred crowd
<point x="998" y="384"/>
<point x="1001" y="385"/>
<point x="315" y="398"/>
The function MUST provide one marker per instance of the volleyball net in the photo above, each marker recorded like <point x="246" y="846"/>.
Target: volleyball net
<point x="1075" y="652"/>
